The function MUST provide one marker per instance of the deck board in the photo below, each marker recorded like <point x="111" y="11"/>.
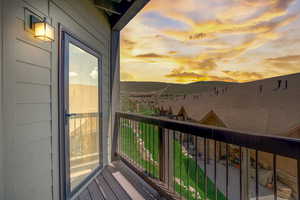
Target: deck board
<point x="85" y="195"/>
<point x="113" y="183"/>
<point x="95" y="191"/>
<point x="137" y="182"/>
<point x="108" y="186"/>
<point x="107" y="190"/>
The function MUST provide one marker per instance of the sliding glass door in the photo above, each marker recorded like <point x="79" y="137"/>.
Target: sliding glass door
<point x="82" y="108"/>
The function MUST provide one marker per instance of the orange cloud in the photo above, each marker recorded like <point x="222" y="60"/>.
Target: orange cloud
<point x="151" y="55"/>
<point x="183" y="76"/>
<point x="286" y="64"/>
<point x="125" y="76"/>
<point x="244" y="76"/>
<point x="207" y="45"/>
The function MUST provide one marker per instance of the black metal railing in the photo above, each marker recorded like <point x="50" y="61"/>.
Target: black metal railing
<point x="83" y="145"/>
<point x="192" y="161"/>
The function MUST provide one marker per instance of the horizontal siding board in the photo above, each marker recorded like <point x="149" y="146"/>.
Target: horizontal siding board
<point x="40" y="5"/>
<point x="92" y="21"/>
<point x="32" y="113"/>
<point x="32" y="166"/>
<point x="32" y="54"/>
<point x="80" y="31"/>
<point x="31" y="93"/>
<point x="20" y="5"/>
<point x="27" y="73"/>
<point x="31" y="133"/>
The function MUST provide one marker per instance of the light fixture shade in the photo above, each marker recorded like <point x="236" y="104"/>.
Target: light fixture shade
<point x="44" y="31"/>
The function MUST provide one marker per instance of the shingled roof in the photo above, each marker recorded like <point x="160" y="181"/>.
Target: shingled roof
<point x="263" y="106"/>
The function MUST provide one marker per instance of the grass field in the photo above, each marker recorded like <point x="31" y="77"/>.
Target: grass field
<point x="192" y="178"/>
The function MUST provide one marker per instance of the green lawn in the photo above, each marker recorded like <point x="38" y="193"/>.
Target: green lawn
<point x="129" y="146"/>
<point x="185" y="167"/>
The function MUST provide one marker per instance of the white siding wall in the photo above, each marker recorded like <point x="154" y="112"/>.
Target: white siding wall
<point x="31" y="88"/>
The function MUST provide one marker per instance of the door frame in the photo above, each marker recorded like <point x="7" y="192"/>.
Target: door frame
<point x="66" y="37"/>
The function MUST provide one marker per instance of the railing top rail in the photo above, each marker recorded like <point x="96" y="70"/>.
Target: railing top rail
<point x="288" y="147"/>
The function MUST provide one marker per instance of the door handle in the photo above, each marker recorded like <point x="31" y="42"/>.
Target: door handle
<point x="70" y="115"/>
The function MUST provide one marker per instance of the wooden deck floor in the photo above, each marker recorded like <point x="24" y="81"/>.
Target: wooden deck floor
<point x="118" y="182"/>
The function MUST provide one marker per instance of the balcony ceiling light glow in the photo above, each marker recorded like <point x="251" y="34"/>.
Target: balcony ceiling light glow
<point x="44" y="31"/>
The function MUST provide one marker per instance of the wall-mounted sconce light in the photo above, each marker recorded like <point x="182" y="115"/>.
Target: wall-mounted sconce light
<point x="41" y="29"/>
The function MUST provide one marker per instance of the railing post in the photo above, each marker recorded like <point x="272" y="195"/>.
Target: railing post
<point x="161" y="143"/>
<point x="115" y="138"/>
<point x="245" y="163"/>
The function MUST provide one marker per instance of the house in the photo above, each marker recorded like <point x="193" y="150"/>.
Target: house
<point x="62" y="135"/>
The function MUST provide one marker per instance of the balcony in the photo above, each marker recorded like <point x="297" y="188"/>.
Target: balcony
<point x="159" y="158"/>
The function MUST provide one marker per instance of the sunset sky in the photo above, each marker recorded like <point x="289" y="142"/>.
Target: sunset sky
<point x="212" y="40"/>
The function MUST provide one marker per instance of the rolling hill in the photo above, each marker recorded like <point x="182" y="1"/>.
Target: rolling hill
<point x="170" y="88"/>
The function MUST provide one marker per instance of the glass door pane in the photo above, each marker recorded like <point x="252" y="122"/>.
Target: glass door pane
<point x="83" y="114"/>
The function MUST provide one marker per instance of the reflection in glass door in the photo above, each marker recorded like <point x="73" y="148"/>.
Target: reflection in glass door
<point x="82" y="108"/>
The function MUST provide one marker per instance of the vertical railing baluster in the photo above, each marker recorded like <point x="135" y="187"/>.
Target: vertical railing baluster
<point x="137" y="137"/>
<point x="195" y="159"/>
<point x="128" y="143"/>
<point x="86" y="135"/>
<point x="298" y="177"/>
<point x="167" y="168"/>
<point x="75" y="132"/>
<point x="241" y="173"/>
<point x="188" y="165"/>
<point x="215" y="169"/>
<point x="197" y="173"/>
<point x="131" y="142"/>
<point x="81" y="139"/>
<point x="161" y="153"/>
<point x="180" y="153"/>
<point x="127" y="148"/>
<point x="256" y="175"/>
<point x="148" y="144"/>
<point x="227" y="167"/>
<point x="119" y="135"/>
<point x="205" y="169"/>
<point x="143" y="144"/>
<point x="140" y="145"/>
<point x="122" y="137"/>
<point x="275" y="176"/>
<point x="174" y="167"/>
<point x="134" y="143"/>
<point x="153" y="147"/>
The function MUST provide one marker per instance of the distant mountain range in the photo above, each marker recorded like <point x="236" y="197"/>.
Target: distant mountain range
<point x="170" y="88"/>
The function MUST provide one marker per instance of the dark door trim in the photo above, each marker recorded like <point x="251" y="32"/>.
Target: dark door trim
<point x="66" y="37"/>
